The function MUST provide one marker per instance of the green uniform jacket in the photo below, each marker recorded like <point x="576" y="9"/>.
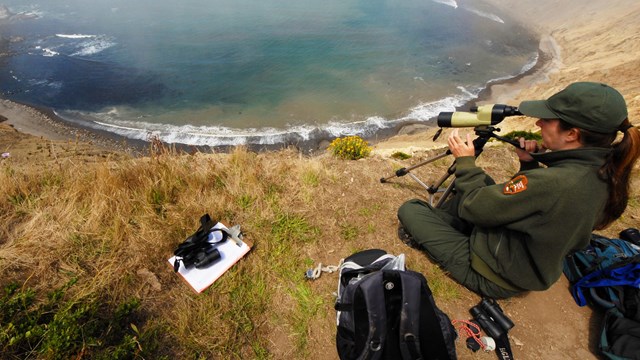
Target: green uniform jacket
<point x="524" y="228"/>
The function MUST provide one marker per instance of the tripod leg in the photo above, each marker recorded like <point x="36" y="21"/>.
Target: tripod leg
<point x="428" y="188"/>
<point x="405" y="171"/>
<point x="445" y="195"/>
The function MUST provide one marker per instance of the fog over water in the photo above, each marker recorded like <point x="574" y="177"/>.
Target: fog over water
<point x="223" y="72"/>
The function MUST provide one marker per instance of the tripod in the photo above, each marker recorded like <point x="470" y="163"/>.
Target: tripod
<point x="484" y="133"/>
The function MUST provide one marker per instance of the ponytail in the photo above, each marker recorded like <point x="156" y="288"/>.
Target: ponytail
<point x="617" y="171"/>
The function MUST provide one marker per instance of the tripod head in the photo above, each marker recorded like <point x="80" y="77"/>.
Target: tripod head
<point x="482" y="119"/>
<point x="485" y="132"/>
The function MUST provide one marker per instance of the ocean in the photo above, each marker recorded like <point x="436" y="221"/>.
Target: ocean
<point x="255" y="72"/>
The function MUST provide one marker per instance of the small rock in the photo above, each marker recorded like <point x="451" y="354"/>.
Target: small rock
<point x="150" y="279"/>
<point x="516" y="341"/>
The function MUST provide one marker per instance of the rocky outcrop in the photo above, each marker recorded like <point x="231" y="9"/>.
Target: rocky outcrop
<point x="5" y="13"/>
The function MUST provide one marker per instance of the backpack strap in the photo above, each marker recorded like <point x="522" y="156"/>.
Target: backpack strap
<point x="414" y="292"/>
<point x="197" y="247"/>
<point x="623" y="273"/>
<point x="373" y="292"/>
<point x="410" y="318"/>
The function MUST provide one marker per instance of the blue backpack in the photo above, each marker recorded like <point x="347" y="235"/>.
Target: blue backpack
<point x="601" y="273"/>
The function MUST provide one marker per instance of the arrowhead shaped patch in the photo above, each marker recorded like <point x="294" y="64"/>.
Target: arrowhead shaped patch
<point x="516" y="185"/>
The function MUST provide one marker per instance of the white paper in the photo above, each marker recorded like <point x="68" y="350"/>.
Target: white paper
<point x="200" y="279"/>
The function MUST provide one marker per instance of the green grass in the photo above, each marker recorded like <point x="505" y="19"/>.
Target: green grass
<point x="59" y="327"/>
<point x="308" y="305"/>
<point x="400" y="155"/>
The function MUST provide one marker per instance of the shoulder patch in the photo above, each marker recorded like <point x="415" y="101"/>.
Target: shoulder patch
<point x="516" y="185"/>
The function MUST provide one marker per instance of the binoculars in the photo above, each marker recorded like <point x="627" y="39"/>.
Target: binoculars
<point x="491" y="318"/>
<point x="478" y="116"/>
<point x="200" y="259"/>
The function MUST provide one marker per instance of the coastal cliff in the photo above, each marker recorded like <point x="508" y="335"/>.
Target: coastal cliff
<point x="72" y="210"/>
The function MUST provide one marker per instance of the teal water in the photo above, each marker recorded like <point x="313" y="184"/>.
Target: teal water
<point x="231" y="72"/>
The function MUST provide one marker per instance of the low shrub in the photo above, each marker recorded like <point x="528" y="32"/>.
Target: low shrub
<point x="350" y="148"/>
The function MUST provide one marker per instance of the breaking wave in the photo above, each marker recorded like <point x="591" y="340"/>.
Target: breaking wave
<point x="75" y="36"/>
<point x="489" y="16"/>
<point x="451" y="3"/>
<point x="110" y="121"/>
<point x="74" y="44"/>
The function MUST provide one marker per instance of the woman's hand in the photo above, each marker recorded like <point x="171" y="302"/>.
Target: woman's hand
<point x="459" y="147"/>
<point x="527" y="147"/>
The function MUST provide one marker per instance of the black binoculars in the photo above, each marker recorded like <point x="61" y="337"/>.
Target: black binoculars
<point x="491" y="318"/>
<point x="200" y="259"/>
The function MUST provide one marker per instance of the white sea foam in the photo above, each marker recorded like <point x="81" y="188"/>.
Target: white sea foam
<point x="75" y="36"/>
<point x="528" y="66"/>
<point x="49" y="53"/>
<point x="45" y="83"/>
<point x="30" y="14"/>
<point x="489" y="16"/>
<point x="224" y="136"/>
<point x="110" y="120"/>
<point x="74" y="44"/>
<point x="93" y="46"/>
<point x="427" y="111"/>
<point x="451" y="3"/>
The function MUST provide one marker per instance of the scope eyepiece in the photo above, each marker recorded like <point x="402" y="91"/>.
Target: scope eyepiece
<point x="479" y="115"/>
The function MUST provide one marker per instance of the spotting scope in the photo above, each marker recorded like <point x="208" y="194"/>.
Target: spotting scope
<point x="490" y="114"/>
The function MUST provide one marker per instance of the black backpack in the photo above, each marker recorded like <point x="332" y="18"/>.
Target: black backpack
<point x="606" y="274"/>
<point x="620" y="336"/>
<point x="387" y="312"/>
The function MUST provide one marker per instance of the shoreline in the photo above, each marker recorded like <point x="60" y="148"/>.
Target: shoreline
<point x="42" y="122"/>
<point x="549" y="62"/>
<point x="419" y="136"/>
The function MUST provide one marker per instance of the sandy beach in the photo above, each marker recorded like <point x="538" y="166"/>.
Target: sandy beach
<point x="579" y="42"/>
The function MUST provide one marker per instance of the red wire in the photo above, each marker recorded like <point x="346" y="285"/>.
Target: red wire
<point x="465" y="325"/>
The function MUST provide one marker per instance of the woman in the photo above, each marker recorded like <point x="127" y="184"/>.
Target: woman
<point x="502" y="239"/>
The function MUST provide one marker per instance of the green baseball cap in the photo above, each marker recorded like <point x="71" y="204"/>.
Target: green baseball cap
<point x="587" y="105"/>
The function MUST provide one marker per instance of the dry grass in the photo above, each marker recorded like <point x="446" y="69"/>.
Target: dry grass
<point x="113" y="224"/>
